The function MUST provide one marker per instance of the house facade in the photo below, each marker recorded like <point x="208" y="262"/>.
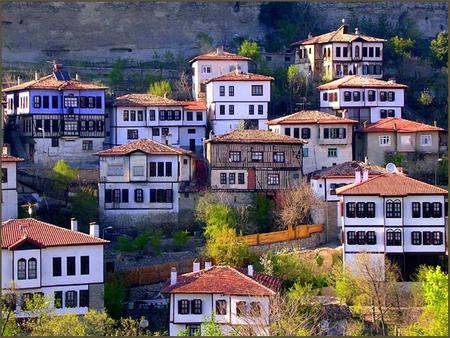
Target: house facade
<point x="141" y="180"/>
<point x="178" y="123"/>
<point x="213" y="64"/>
<point x="238" y="96"/>
<point x="9" y="185"/>
<point x="339" y="53"/>
<point x="57" y="117"/>
<point x="362" y="98"/>
<point x="254" y="160"/>
<point x="396" y="135"/>
<point x="396" y="217"/>
<point x="328" y="137"/>
<point x="238" y="300"/>
<point x="39" y="258"/>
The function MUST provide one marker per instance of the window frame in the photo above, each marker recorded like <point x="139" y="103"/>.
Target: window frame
<point x="273" y="179"/>
<point x="32" y="270"/>
<point x="278" y="157"/>
<point x="257" y="90"/>
<point x="221" y="307"/>
<point x="416" y="238"/>
<point x="22" y="269"/>
<point x="234" y="156"/>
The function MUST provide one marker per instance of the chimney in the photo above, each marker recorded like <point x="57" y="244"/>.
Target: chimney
<point x="435" y="123"/>
<point x="195" y="266"/>
<point x="18" y="80"/>
<point x="73" y="224"/>
<point x="94" y="229"/>
<point x="173" y="276"/>
<point x="77" y="78"/>
<point x="392" y="80"/>
<point x="169" y="140"/>
<point x="238" y="69"/>
<point x="6" y="149"/>
<point x="36" y="76"/>
<point x="208" y="264"/>
<point x="365" y="174"/>
<point x="310" y="35"/>
<point x="165" y="95"/>
<point x="220" y="50"/>
<point x="365" y="124"/>
<point x="366" y="160"/>
<point x="250" y="270"/>
<point x="357" y="176"/>
<point x="344" y="27"/>
<point x="357" y="31"/>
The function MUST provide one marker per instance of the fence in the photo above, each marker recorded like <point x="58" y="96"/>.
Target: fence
<point x="298" y="232"/>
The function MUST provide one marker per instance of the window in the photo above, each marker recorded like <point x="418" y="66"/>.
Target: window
<point x="332" y="152"/>
<point x="108" y="196"/>
<point x="37" y="102"/>
<point x="361" y="237"/>
<point x="260" y="109"/>
<point x="427" y="240"/>
<point x="183" y="307"/>
<point x="45" y="102"/>
<point x="347" y="96"/>
<point x="241" y="178"/>
<point x="222" y="110"/>
<point x="255" y="309"/>
<point x="287" y="131"/>
<point x="235" y="156"/>
<point x="425" y="140"/>
<point x="257" y="156"/>
<point x="296" y="132"/>
<point x="345" y="51"/>
<point x="426" y="206"/>
<point x="84" y="265"/>
<point x="4" y="175"/>
<point x="351" y="237"/>
<point x="152" y="115"/>
<point x="384" y="140"/>
<point x="55" y="102"/>
<point x="168" y="168"/>
<point x="371" y="95"/>
<point x="278" y="157"/>
<point x="70" y="101"/>
<point x="84" y="298"/>
<point x="364" y="51"/>
<point x="338" y="51"/>
<point x="189" y="116"/>
<point x="223" y="178"/>
<point x="231" y="109"/>
<point x="132" y="134"/>
<point x="437" y="210"/>
<point x="306" y="133"/>
<point x="162" y="115"/>
<point x="58" y="302"/>
<point x="416" y="238"/>
<point x="206" y="69"/>
<point x="57" y="266"/>
<point x="21" y="269"/>
<point x="155" y="131"/>
<point x="87" y="145"/>
<point x="437" y="238"/>
<point x="222" y="90"/>
<point x="55" y="142"/>
<point x="115" y="170"/>
<point x="257" y="90"/>
<point x="305" y="152"/>
<point x="371" y="237"/>
<point x="357" y="51"/>
<point x="71" y="266"/>
<point x="383" y="96"/>
<point x="221" y="307"/>
<point x="160" y="169"/>
<point x="191" y="131"/>
<point x="83" y="101"/>
<point x="356" y="96"/>
<point x="91" y="102"/>
<point x="393" y="238"/>
<point x="199" y="116"/>
<point x="361" y="210"/>
<point x="196" y="305"/>
<point x="370" y="210"/>
<point x="273" y="179"/>
<point x="371" y="52"/>
<point x="138" y="195"/>
<point x="241" y="309"/>
<point x="140" y="115"/>
<point x="383" y="113"/>
<point x="334" y="133"/>
<point x="393" y="209"/>
<point x="351" y="209"/>
<point x="391" y="96"/>
<point x="251" y="109"/>
<point x="98" y="102"/>
<point x="415" y="209"/>
<point x="138" y="170"/>
<point x="116" y="196"/>
<point x="193" y="330"/>
<point x="391" y="113"/>
<point x="231" y="90"/>
<point x="232" y="178"/>
<point x="71" y="299"/>
<point x="32" y="268"/>
<point x="325" y="96"/>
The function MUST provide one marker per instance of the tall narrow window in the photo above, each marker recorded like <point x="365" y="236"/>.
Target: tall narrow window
<point x="427" y="240"/>
<point x="416" y="238"/>
<point x="370" y="209"/>
<point x="426" y="206"/>
<point x="84" y="298"/>
<point x="231" y="90"/>
<point x="251" y="109"/>
<point x="32" y="268"/>
<point x="138" y="195"/>
<point x="393" y="209"/>
<point x="21" y="269"/>
<point x="360" y="210"/>
<point x="351" y="237"/>
<point x="361" y="237"/>
<point x="84" y="270"/>
<point x="437" y="238"/>
<point x="241" y="309"/>
<point x="196" y="306"/>
<point x="58" y="299"/>
<point x="183" y="306"/>
<point x="350" y="209"/>
<point x="71" y="299"/>
<point x="415" y="209"/>
<point x="168" y="168"/>
<point x="221" y="307"/>
<point x="371" y="237"/>
<point x="437" y="210"/>
<point x="57" y="270"/>
<point x="70" y="266"/>
<point x="222" y="90"/>
<point x="306" y="133"/>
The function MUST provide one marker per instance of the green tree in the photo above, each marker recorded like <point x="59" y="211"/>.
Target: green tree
<point x="250" y="49"/>
<point x="85" y="205"/>
<point x="115" y="294"/>
<point x="425" y="98"/>
<point x="115" y="76"/>
<point x="9" y="326"/>
<point x="179" y="239"/>
<point x="63" y="176"/>
<point x="205" y="42"/>
<point x="439" y="50"/>
<point x="217" y="217"/>
<point x="261" y="212"/>
<point x="161" y="88"/>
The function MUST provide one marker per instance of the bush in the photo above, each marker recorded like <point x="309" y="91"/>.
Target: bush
<point x="179" y="239"/>
<point x="115" y="293"/>
<point x="155" y="241"/>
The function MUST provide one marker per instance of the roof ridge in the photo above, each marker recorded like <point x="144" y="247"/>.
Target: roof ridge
<point x="250" y="278"/>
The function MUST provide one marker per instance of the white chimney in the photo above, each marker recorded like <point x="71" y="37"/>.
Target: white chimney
<point x="73" y="224"/>
<point x="366" y="160"/>
<point x="220" y="50"/>
<point x="357" y="176"/>
<point x="169" y="140"/>
<point x="310" y="35"/>
<point x="392" y="80"/>
<point x="18" y="80"/>
<point x="173" y="276"/>
<point x="356" y="30"/>
<point x="365" y="175"/>
<point x="195" y="266"/>
<point x="250" y="270"/>
<point x="77" y="77"/>
<point x="208" y="264"/>
<point x="94" y="229"/>
<point x="36" y="76"/>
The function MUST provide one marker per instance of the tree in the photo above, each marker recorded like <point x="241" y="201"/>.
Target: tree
<point x="261" y="211"/>
<point x="115" y="76"/>
<point x="439" y="50"/>
<point x="115" y="293"/>
<point x="182" y="89"/>
<point x="161" y="88"/>
<point x="63" y="176"/>
<point x="250" y="49"/>
<point x="297" y="85"/>
<point x="85" y="205"/>
<point x="205" y="42"/>
<point x="425" y="98"/>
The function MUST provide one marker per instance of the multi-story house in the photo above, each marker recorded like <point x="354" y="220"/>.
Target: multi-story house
<point x="143" y="179"/>
<point x="213" y="64"/>
<point x="65" y="266"/>
<point x="254" y="160"/>
<point x="177" y="123"/>
<point x="9" y="185"/>
<point x="396" y="217"/>
<point x="58" y="117"/>
<point x="235" y="298"/>
<point x="362" y="98"/>
<point x="339" y="53"/>
<point x="328" y="137"/>
<point x="238" y="97"/>
<point x="396" y="135"/>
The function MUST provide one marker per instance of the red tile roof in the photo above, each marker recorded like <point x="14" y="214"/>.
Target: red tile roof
<point x="9" y="158"/>
<point x="49" y="82"/>
<point x="194" y="105"/>
<point x="357" y="81"/>
<point x="146" y="146"/>
<point x="254" y="136"/>
<point x="17" y="231"/>
<point x="224" y="56"/>
<point x="400" y="125"/>
<point x="309" y="117"/>
<point x="223" y="280"/>
<point x="391" y="184"/>
<point x="145" y="100"/>
<point x="347" y="169"/>
<point x="240" y="76"/>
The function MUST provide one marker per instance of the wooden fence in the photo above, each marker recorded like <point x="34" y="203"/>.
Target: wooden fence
<point x="297" y="232"/>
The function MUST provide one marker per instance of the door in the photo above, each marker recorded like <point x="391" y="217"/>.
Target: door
<point x="192" y="144"/>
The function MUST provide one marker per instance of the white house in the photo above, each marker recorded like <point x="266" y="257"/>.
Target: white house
<point x="213" y="64"/>
<point x="396" y="217"/>
<point x="363" y="98"/>
<point x="65" y="266"/>
<point x="178" y="123"/>
<point x="234" y="297"/>
<point x="339" y="53"/>
<point x="143" y="179"/>
<point x="57" y="117"/>
<point x="328" y="137"/>
<point x="238" y="96"/>
<point x="9" y="185"/>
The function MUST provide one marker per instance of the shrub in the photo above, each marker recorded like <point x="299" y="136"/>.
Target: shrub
<point x="161" y="88"/>
<point x="155" y="241"/>
<point x="179" y="239"/>
<point x="319" y="260"/>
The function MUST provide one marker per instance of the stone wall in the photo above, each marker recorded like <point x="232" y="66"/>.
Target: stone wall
<point x="96" y="292"/>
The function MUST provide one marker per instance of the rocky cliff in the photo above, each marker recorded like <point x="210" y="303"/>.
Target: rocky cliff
<point x="103" y="31"/>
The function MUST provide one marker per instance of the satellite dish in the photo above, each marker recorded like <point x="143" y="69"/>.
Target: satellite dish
<point x="391" y="168"/>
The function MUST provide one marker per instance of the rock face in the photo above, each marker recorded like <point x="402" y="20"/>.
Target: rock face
<point x="101" y="31"/>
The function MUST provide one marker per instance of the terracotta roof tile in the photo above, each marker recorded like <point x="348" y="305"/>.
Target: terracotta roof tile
<point x="194" y="105"/>
<point x="254" y="136"/>
<point x="146" y="146"/>
<point x="308" y="117"/>
<point x="17" y="231"/>
<point x="347" y="169"/>
<point x="240" y="76"/>
<point x="226" y="56"/>
<point x="388" y="184"/>
<point x="49" y="82"/>
<point x="9" y="158"/>
<point x="400" y="125"/>
<point x="224" y="280"/>
<point x="357" y="81"/>
<point x="145" y="100"/>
